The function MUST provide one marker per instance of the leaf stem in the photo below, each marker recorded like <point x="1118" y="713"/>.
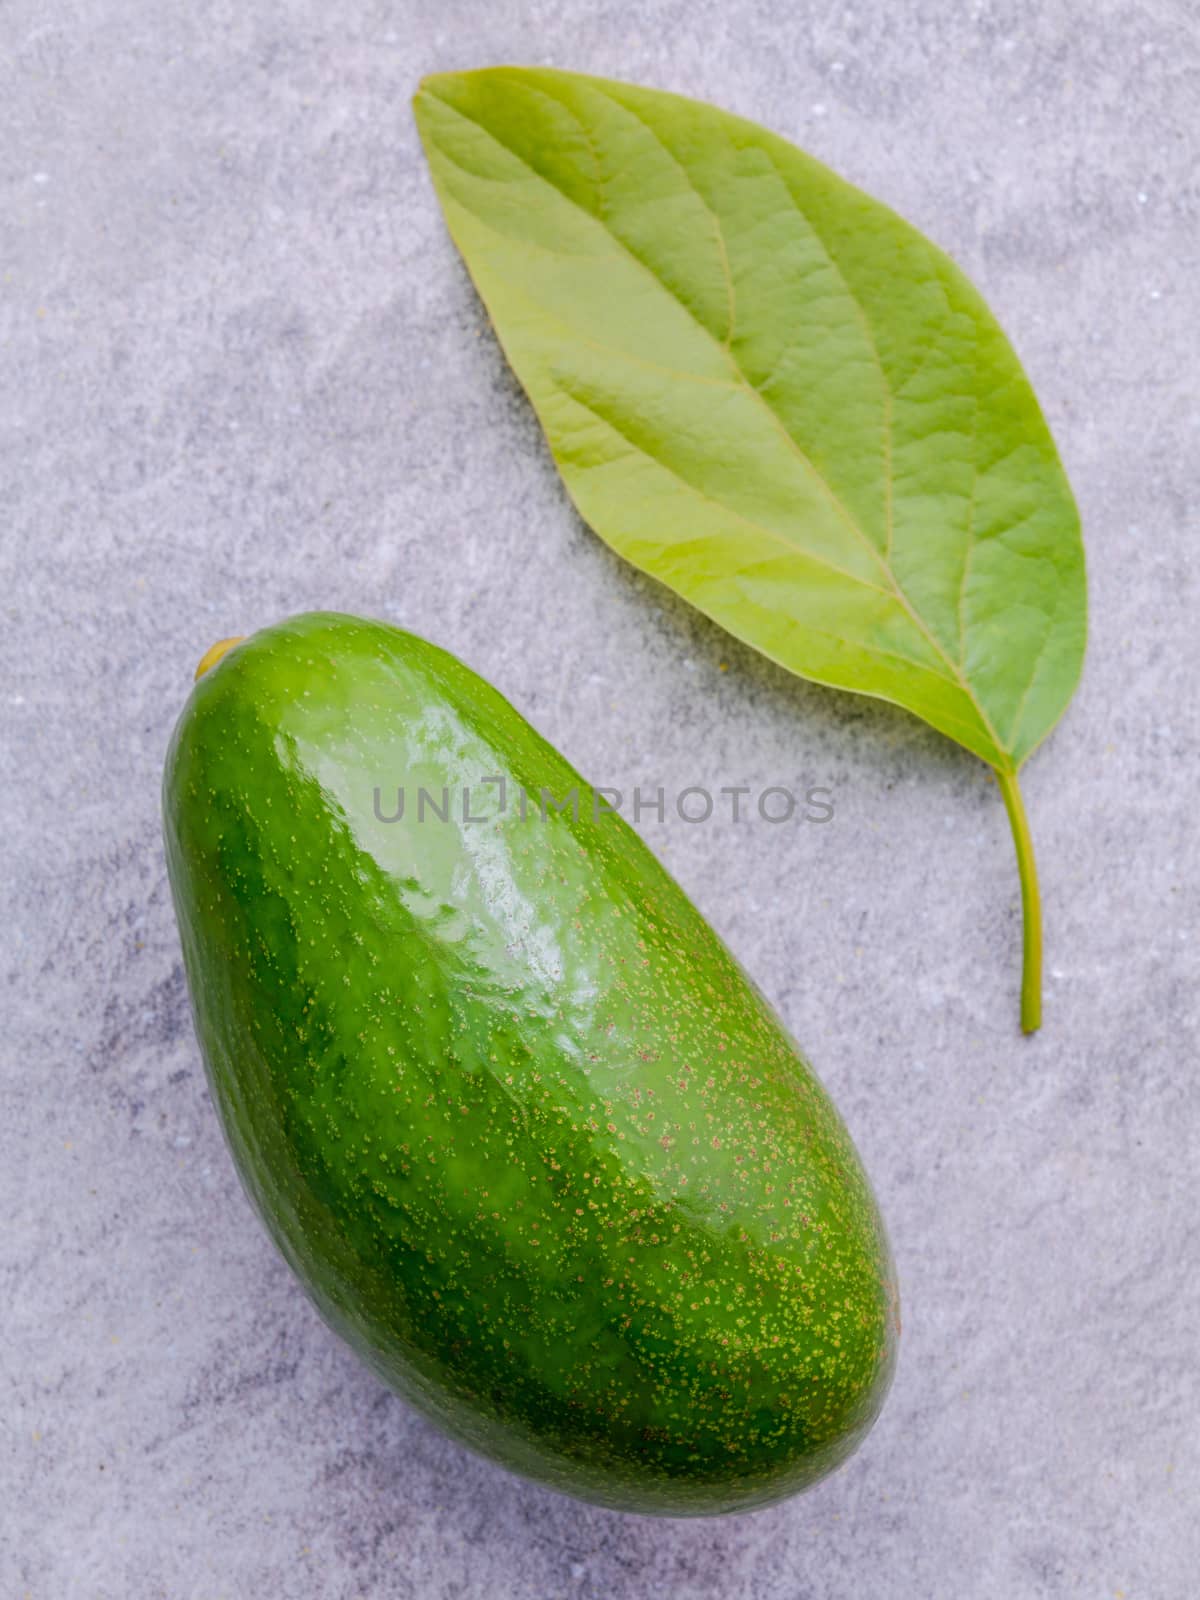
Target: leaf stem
<point x="1031" y="906"/>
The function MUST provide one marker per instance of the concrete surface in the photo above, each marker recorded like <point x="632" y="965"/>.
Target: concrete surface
<point x="244" y="374"/>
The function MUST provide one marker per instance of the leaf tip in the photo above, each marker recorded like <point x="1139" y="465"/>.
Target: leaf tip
<point x="425" y="86"/>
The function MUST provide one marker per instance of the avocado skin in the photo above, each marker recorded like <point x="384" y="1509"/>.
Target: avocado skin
<point x="532" y="1141"/>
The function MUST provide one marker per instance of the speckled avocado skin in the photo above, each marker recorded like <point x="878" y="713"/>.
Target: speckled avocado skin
<point x="531" y="1139"/>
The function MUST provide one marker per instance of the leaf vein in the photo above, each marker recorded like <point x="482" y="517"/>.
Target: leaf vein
<point x="970" y="530"/>
<point x="790" y="545"/>
<point x="718" y="230"/>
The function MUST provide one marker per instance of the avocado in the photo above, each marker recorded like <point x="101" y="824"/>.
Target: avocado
<point x="531" y="1139"/>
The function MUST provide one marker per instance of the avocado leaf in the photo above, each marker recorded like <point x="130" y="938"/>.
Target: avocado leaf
<point x="767" y="390"/>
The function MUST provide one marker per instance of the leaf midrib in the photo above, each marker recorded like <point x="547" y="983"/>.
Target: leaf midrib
<point x="956" y="675"/>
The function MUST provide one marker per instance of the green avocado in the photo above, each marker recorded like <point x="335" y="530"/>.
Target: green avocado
<point x="529" y="1136"/>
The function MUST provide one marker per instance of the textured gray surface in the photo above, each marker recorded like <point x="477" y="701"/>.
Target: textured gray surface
<point x="243" y="375"/>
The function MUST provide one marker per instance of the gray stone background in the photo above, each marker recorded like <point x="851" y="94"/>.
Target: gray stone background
<point x="244" y="374"/>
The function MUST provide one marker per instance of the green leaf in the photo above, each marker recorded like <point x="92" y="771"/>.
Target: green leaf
<point x="770" y="392"/>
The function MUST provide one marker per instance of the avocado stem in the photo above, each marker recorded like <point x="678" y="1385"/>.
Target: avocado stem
<point x="214" y="653"/>
<point x="1031" y="905"/>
